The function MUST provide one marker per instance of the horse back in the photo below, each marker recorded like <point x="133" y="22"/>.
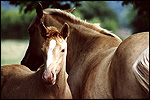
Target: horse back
<point x="9" y="72"/>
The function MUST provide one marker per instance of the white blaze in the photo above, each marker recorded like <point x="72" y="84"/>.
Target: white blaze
<point x="52" y="45"/>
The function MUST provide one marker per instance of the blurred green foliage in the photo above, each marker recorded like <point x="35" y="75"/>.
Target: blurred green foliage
<point x="98" y="12"/>
<point x="141" y="6"/>
<point x="138" y="16"/>
<point x="15" y="22"/>
<point x="29" y="6"/>
<point x="14" y="25"/>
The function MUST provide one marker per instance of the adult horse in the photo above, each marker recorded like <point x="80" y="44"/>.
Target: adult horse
<point x="93" y="54"/>
<point x="19" y="82"/>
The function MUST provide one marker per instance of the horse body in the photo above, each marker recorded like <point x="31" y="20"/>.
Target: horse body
<point x="90" y="56"/>
<point x="21" y="83"/>
<point x="49" y="82"/>
<point x="141" y="69"/>
<point x="87" y="56"/>
<point x="16" y="84"/>
<point x="122" y="78"/>
<point x="88" y="47"/>
<point x="97" y="84"/>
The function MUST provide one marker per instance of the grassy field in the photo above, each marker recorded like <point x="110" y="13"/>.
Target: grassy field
<point x="13" y="51"/>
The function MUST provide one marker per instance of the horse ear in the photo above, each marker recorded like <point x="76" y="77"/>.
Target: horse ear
<point x="70" y="10"/>
<point x="65" y="31"/>
<point x="39" y="10"/>
<point x="43" y="30"/>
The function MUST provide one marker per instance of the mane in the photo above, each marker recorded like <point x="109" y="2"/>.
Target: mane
<point x="70" y="17"/>
<point x="53" y="32"/>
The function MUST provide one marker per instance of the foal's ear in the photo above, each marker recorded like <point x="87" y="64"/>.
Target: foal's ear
<point x="65" y="31"/>
<point x="70" y="10"/>
<point x="39" y="10"/>
<point x="43" y="30"/>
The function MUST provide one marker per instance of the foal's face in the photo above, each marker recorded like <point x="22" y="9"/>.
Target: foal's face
<point x="54" y="52"/>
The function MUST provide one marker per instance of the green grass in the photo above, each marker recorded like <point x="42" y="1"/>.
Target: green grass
<point x="13" y="51"/>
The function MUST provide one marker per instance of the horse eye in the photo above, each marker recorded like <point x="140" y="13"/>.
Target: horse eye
<point x="63" y="50"/>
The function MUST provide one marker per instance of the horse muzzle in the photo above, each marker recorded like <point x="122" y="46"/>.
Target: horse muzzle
<point x="49" y="77"/>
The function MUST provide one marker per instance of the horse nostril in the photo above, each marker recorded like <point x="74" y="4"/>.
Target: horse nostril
<point x="52" y="75"/>
<point x="49" y="78"/>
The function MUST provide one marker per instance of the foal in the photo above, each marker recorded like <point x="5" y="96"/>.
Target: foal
<point x="19" y="82"/>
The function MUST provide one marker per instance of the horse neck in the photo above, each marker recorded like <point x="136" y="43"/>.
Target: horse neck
<point x="61" y="77"/>
<point x="56" y="90"/>
<point x="61" y="82"/>
<point x="81" y="38"/>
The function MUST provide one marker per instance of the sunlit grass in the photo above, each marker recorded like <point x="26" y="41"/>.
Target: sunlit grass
<point x="13" y="51"/>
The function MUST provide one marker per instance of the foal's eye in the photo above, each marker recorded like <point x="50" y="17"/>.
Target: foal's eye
<point x="63" y="50"/>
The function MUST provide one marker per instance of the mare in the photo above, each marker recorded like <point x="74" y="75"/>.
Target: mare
<point x="99" y="64"/>
<point x="49" y="82"/>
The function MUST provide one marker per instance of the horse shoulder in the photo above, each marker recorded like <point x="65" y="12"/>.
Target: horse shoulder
<point x="12" y="72"/>
<point x="96" y="84"/>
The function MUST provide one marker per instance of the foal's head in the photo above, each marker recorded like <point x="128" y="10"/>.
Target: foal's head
<point x="33" y="58"/>
<point x="54" y="52"/>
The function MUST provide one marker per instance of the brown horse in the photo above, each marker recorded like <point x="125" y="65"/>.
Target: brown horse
<point x="19" y="82"/>
<point x="141" y="69"/>
<point x="123" y="81"/>
<point x="96" y="58"/>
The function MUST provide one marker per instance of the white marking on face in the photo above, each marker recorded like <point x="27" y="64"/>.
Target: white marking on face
<point x="52" y="45"/>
